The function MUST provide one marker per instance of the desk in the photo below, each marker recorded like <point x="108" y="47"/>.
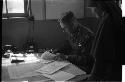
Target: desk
<point x="37" y="65"/>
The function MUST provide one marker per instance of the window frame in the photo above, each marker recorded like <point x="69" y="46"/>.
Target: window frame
<point x="25" y="14"/>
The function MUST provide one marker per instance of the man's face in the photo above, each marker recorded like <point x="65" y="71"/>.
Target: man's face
<point x="64" y="27"/>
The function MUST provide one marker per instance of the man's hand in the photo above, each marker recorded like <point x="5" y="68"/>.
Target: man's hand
<point x="60" y="57"/>
<point x="48" y="56"/>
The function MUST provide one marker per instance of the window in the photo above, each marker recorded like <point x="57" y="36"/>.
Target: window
<point x="15" y="8"/>
<point x="123" y="8"/>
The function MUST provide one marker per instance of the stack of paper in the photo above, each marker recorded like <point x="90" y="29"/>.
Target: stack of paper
<point x="60" y="76"/>
<point x="31" y="58"/>
<point x="23" y="70"/>
<point x="18" y="55"/>
<point x="52" y="67"/>
<point x="46" y="61"/>
<point x="52" y="71"/>
<point x="6" y="61"/>
<point x="75" y="70"/>
<point x="27" y="74"/>
<point x="17" y="58"/>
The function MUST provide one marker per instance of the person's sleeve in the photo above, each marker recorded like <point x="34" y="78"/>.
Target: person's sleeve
<point x="65" y="49"/>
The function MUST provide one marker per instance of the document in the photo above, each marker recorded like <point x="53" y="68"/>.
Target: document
<point x="25" y="70"/>
<point x="52" y="67"/>
<point x="75" y="70"/>
<point x="6" y="62"/>
<point x="60" y="76"/>
<point x="29" y="74"/>
<point x="30" y="59"/>
<point x="46" y="61"/>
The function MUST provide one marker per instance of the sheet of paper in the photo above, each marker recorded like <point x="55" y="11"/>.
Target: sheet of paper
<point x="52" y="67"/>
<point x="31" y="59"/>
<point x="45" y="61"/>
<point x="34" y="61"/>
<point x="75" y="70"/>
<point x="6" y="62"/>
<point x="29" y="74"/>
<point x="16" y="71"/>
<point x="60" y="76"/>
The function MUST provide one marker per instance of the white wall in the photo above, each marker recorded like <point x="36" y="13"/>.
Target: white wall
<point x="54" y="8"/>
<point x="37" y="9"/>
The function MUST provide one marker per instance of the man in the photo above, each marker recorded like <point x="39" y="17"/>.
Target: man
<point x="78" y="46"/>
<point x="108" y="65"/>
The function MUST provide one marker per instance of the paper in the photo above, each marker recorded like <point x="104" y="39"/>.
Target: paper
<point x="52" y="67"/>
<point x="31" y="59"/>
<point x="18" y="55"/>
<point x="17" y="58"/>
<point x="29" y="74"/>
<point x="17" y="71"/>
<point x="6" y="61"/>
<point x="75" y="70"/>
<point x="45" y="61"/>
<point x="60" y="76"/>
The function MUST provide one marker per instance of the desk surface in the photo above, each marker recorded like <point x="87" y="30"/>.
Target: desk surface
<point x="37" y="65"/>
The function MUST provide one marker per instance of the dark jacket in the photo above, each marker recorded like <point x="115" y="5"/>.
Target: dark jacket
<point x="108" y="52"/>
<point x="78" y="47"/>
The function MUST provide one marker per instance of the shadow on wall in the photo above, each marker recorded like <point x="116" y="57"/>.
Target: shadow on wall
<point x="47" y="34"/>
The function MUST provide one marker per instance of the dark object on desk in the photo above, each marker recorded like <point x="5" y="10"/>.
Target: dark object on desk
<point x="6" y="56"/>
<point x="17" y="61"/>
<point x="8" y="48"/>
<point x="30" y="46"/>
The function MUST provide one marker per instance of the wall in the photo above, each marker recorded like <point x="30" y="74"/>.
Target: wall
<point x="54" y="8"/>
<point x="47" y="34"/>
<point x="14" y="31"/>
<point x="38" y="7"/>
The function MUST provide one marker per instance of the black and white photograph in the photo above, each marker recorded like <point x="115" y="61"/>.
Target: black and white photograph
<point x="63" y="40"/>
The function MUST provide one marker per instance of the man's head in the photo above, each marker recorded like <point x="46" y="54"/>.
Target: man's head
<point x="104" y="5"/>
<point x="66" y="21"/>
